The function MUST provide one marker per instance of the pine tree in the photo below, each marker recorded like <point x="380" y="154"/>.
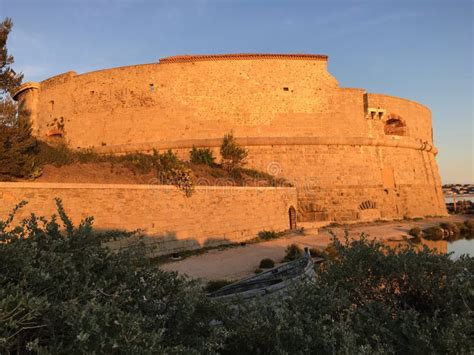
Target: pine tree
<point x="233" y="155"/>
<point x="9" y="80"/>
<point x="18" y="149"/>
<point x="17" y="146"/>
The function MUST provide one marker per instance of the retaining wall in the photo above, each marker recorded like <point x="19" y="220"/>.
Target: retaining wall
<point x="170" y="220"/>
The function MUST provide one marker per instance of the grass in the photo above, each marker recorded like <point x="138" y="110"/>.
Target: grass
<point x="268" y="235"/>
<point x="293" y="252"/>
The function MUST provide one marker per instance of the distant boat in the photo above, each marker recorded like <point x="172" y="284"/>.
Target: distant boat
<point x="271" y="281"/>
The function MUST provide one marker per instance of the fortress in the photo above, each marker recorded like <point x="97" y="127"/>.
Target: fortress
<point x="351" y="155"/>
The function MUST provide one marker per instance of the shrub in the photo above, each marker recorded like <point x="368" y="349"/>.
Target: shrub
<point x="61" y="291"/>
<point x="137" y="162"/>
<point x="17" y="151"/>
<point x="369" y="300"/>
<point x="172" y="171"/>
<point x="293" y="252"/>
<point x="202" y="156"/>
<point x="215" y="285"/>
<point x="317" y="253"/>
<point x="233" y="155"/>
<point x="166" y="161"/>
<point x="433" y="233"/>
<point x="415" y="232"/>
<point x="469" y="223"/>
<point x="267" y="235"/>
<point x="331" y="251"/>
<point x="258" y="271"/>
<point x="452" y="228"/>
<point x="58" y="155"/>
<point x="266" y="263"/>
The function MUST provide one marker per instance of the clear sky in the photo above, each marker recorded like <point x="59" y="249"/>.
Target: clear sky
<point x="417" y="49"/>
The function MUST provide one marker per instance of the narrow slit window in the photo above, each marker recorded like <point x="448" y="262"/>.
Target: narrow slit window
<point x="51" y="106"/>
<point x="152" y="87"/>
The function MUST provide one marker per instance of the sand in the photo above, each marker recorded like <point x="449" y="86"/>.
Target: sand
<point x="239" y="262"/>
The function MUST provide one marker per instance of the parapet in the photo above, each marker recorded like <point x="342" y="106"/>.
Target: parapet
<point x="241" y="56"/>
<point x="23" y="88"/>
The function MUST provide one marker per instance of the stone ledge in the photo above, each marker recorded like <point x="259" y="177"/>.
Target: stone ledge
<point x="392" y="141"/>
<point x="50" y="185"/>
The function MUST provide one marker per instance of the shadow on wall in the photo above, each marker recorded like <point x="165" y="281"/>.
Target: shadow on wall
<point x="165" y="244"/>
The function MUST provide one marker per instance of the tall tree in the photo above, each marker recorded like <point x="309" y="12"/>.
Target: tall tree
<point x="9" y="80"/>
<point x="17" y="146"/>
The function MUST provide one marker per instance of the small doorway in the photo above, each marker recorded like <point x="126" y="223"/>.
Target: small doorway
<point x="292" y="215"/>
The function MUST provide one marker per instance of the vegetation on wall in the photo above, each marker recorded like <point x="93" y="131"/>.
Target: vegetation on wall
<point x="62" y="291"/>
<point x="233" y="156"/>
<point x="24" y="157"/>
<point x="202" y="156"/>
<point x="172" y="171"/>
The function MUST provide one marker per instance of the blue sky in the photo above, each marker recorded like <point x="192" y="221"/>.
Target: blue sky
<point x="421" y="50"/>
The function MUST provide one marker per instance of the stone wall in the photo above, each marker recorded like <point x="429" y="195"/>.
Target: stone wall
<point x="341" y="147"/>
<point x="205" y="99"/>
<point x="171" y="221"/>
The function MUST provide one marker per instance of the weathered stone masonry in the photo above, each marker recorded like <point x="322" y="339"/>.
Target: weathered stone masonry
<point x="171" y="221"/>
<point x="352" y="155"/>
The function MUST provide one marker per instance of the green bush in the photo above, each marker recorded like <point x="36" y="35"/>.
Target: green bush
<point x="292" y="252"/>
<point x="452" y="228"/>
<point x="202" y="156"/>
<point x="266" y="263"/>
<point x="433" y="233"/>
<point x="415" y="232"/>
<point x="469" y="226"/>
<point x="317" y="253"/>
<point x="267" y="235"/>
<point x="172" y="171"/>
<point x="370" y="299"/>
<point x="17" y="151"/>
<point x="331" y="251"/>
<point x="233" y="155"/>
<point x="62" y="292"/>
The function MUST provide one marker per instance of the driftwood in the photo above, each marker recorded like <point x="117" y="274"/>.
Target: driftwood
<point x="271" y="281"/>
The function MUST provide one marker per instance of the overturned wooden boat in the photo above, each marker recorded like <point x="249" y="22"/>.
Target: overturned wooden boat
<point x="272" y="281"/>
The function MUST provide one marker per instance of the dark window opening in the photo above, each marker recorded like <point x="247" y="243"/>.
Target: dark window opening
<point x="152" y="87"/>
<point x="285" y="89"/>
<point x="395" y="127"/>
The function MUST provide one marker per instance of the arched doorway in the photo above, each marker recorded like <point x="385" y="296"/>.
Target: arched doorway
<point x="292" y="215"/>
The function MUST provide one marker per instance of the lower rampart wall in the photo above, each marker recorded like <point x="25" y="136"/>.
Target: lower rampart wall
<point x="170" y="220"/>
<point x="341" y="179"/>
